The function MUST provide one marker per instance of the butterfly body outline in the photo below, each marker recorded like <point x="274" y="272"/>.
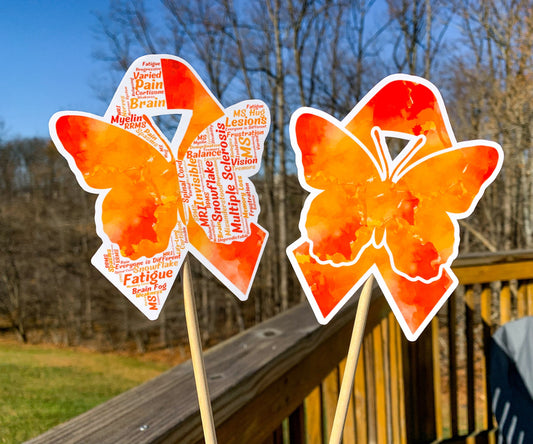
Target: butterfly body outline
<point x="157" y="154"/>
<point x="325" y="177"/>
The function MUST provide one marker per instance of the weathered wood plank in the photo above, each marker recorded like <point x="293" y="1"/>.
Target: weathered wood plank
<point x="330" y="395"/>
<point x="488" y="258"/>
<point x="371" y="423"/>
<point x="379" y="380"/>
<point x="256" y="379"/>
<point x="313" y="417"/>
<point x="396" y="383"/>
<point x="498" y="272"/>
<point x="521" y="300"/>
<point x="360" y="399"/>
<point x="419" y="389"/>
<point x="470" y="360"/>
<point x="505" y="304"/>
<point x="486" y="306"/>
<point x="530" y="298"/>
<point x="437" y="382"/>
<point x="297" y="426"/>
<point x="489" y="267"/>
<point x="348" y="436"/>
<point x="452" y="365"/>
<point x="387" y="376"/>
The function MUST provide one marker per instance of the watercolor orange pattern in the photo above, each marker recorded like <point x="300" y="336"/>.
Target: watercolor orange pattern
<point x="158" y="197"/>
<point x="141" y="208"/>
<point x="371" y="213"/>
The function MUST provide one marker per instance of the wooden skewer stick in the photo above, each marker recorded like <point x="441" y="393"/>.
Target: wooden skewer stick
<point x="351" y="362"/>
<point x="197" y="357"/>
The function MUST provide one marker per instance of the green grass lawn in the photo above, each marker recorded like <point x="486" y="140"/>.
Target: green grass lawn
<point x="41" y="387"/>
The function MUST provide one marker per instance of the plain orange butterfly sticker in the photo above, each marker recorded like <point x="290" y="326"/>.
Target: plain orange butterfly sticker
<point x="369" y="213"/>
<point x="160" y="197"/>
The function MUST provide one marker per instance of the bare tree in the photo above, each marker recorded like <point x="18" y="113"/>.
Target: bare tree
<point x="289" y="53"/>
<point x="422" y="26"/>
<point x="493" y="99"/>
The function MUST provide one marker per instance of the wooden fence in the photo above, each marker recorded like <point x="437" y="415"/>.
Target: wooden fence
<point x="277" y="383"/>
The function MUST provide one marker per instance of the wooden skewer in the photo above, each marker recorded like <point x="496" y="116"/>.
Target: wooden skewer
<point x="197" y="357"/>
<point x="351" y="362"/>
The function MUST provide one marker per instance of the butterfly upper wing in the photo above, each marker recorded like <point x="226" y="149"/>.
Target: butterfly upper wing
<point x="336" y="221"/>
<point x="446" y="186"/>
<point x="327" y="152"/>
<point x="247" y="125"/>
<point x="140" y="209"/>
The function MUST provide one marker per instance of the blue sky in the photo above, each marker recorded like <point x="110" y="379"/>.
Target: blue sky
<point x="47" y="63"/>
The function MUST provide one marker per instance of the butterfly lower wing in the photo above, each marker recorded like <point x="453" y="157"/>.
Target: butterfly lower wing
<point x="134" y="217"/>
<point x="140" y="209"/>
<point x="414" y="303"/>
<point x="336" y="224"/>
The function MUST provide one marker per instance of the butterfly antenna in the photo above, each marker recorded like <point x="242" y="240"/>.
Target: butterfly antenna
<point x="382" y="149"/>
<point x="419" y="142"/>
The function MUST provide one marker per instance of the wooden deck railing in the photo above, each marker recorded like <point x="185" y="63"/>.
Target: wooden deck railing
<point x="278" y="382"/>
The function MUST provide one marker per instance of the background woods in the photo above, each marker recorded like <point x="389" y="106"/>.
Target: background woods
<point x="289" y="53"/>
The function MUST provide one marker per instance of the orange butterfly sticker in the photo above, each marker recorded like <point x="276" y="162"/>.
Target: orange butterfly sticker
<point x="394" y="217"/>
<point x="159" y="198"/>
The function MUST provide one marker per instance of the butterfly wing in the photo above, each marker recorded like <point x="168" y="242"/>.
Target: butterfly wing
<point x="328" y="288"/>
<point x="234" y="263"/>
<point x="220" y="197"/>
<point x="446" y="186"/>
<point x="140" y="207"/>
<point x="341" y="174"/>
<point x="223" y="204"/>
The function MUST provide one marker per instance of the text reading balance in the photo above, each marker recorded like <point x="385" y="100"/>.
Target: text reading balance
<point x="159" y="198"/>
<point x="371" y="215"/>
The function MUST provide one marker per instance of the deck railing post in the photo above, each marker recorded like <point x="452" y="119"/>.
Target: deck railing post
<point x="297" y="426"/>
<point x="419" y="389"/>
<point x="272" y="380"/>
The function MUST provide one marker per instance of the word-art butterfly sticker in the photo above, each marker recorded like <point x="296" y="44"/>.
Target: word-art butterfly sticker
<point x="160" y="197"/>
<point x="369" y="212"/>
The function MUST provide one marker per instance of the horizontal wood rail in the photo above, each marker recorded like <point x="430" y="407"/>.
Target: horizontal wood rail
<point x="489" y="267"/>
<point x="278" y="381"/>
